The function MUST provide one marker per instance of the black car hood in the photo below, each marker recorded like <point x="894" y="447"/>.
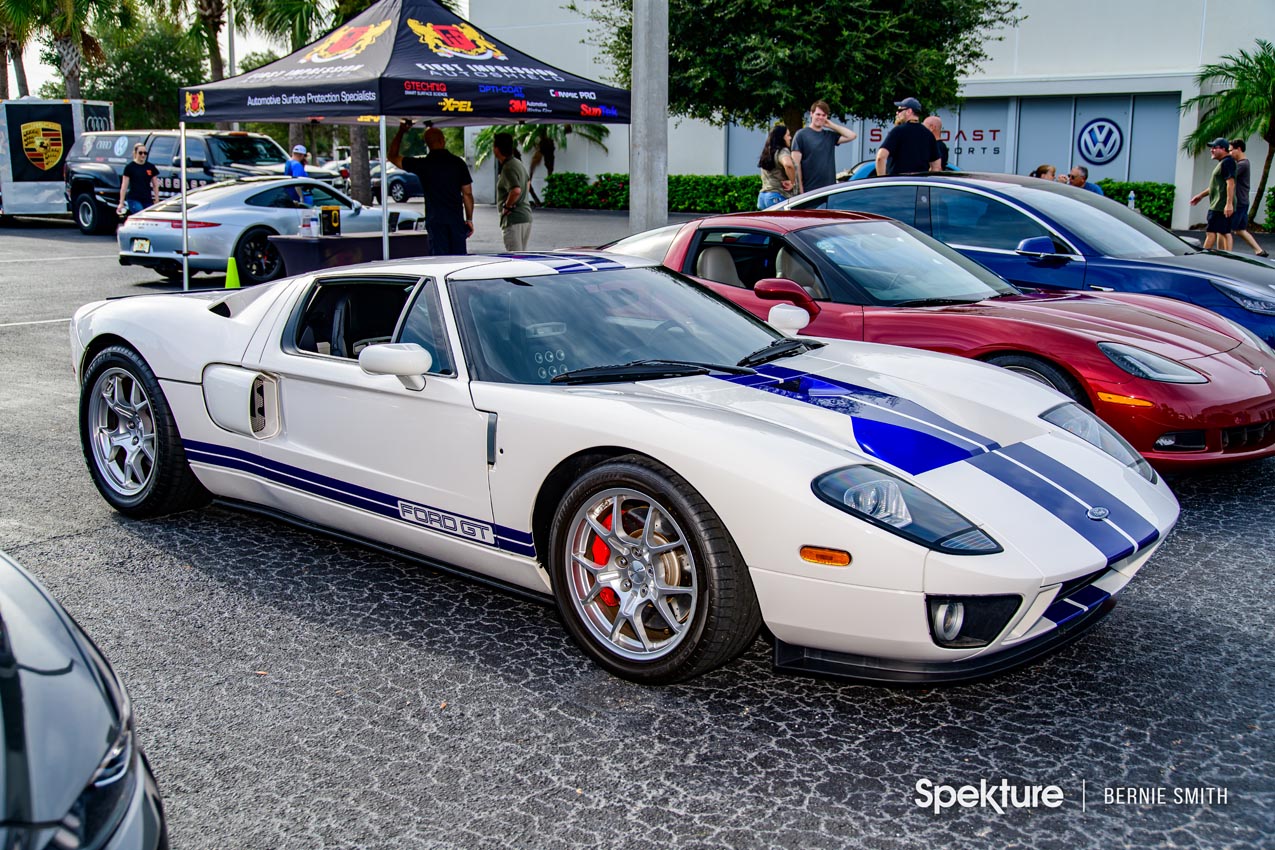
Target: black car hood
<point x="59" y="717"/>
<point x="1217" y="264"/>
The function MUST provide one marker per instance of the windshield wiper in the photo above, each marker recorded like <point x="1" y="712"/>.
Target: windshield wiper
<point x="932" y="302"/>
<point x="779" y="348"/>
<point x="643" y="370"/>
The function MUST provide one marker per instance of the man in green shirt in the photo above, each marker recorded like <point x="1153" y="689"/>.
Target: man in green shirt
<point x="1221" y="195"/>
<point x="511" y="194"/>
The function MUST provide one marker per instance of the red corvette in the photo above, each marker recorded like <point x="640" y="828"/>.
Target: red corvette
<point x="1184" y="385"/>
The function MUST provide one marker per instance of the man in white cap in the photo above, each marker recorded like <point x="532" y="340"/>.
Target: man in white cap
<point x="295" y="167"/>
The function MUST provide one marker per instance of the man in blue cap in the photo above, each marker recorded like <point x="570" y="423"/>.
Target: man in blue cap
<point x="909" y="147"/>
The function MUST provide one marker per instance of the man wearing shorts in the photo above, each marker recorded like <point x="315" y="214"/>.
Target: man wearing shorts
<point x="1221" y="194"/>
<point x="1239" y="221"/>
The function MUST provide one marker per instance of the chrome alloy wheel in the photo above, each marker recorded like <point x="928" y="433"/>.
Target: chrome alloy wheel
<point x="123" y="431"/>
<point x="631" y="574"/>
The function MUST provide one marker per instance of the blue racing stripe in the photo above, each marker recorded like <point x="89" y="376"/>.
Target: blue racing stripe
<point x="568" y="263"/>
<point x="1107" y="540"/>
<point x="363" y="498"/>
<point x="1087" y="598"/>
<point x="1121" y="515"/>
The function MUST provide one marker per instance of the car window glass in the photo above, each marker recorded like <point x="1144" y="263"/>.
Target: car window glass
<point x="343" y="317"/>
<point x="196" y="150"/>
<point x="528" y="330"/>
<point x="246" y="150"/>
<point x="1110" y="228"/>
<point x="896" y="265"/>
<point x="278" y="196"/>
<point x="322" y="197"/>
<point x="734" y="257"/>
<point x="651" y="245"/>
<point x="423" y="325"/>
<point x="897" y="202"/>
<point x="163" y="150"/>
<point x="966" y="218"/>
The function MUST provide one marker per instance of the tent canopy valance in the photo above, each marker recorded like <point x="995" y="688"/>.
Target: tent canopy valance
<point x="409" y="59"/>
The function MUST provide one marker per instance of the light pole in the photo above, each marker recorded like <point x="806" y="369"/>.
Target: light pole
<point x="648" y="135"/>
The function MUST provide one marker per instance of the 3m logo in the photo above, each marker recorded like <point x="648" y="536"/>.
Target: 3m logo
<point x="451" y="104"/>
<point x="1100" y="141"/>
<point x="346" y="43"/>
<point x="42" y="143"/>
<point x="517" y="106"/>
<point x="455" y="41"/>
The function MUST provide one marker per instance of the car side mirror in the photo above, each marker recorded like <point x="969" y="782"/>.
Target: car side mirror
<point x="406" y="361"/>
<point x="357" y="208"/>
<point x="1038" y="247"/>
<point x="782" y="289"/>
<point x="788" y="318"/>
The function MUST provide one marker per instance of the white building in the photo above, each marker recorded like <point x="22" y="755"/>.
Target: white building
<point x="1070" y="63"/>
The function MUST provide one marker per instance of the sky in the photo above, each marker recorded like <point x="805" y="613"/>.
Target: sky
<point x="39" y="73"/>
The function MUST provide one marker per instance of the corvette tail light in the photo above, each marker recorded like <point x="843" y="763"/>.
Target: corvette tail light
<point x="345" y="173"/>
<point x="964" y="622"/>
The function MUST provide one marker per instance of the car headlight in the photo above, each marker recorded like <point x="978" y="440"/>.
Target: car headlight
<point x="885" y="500"/>
<point x="1153" y="367"/>
<point x="102" y="804"/>
<point x="1074" y="419"/>
<point x="1258" y="299"/>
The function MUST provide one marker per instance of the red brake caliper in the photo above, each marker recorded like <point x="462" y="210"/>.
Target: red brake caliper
<point x="601" y="555"/>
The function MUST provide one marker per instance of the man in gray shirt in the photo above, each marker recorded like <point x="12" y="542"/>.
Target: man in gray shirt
<point x="814" y="148"/>
<point x="1239" y="220"/>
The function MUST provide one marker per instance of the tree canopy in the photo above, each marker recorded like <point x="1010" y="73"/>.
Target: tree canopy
<point x="747" y="61"/>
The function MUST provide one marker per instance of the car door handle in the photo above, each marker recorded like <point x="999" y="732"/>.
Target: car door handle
<point x="1101" y="288"/>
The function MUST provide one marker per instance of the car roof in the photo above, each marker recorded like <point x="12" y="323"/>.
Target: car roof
<point x="487" y="266"/>
<point x="789" y="220"/>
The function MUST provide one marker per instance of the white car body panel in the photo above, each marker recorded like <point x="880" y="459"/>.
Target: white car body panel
<point x="421" y="471"/>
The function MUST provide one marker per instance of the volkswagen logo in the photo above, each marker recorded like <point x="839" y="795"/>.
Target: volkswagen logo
<point x="1100" y="141"/>
<point x="1098" y="513"/>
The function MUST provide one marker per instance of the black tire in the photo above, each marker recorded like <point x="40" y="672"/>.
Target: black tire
<point x="398" y="191"/>
<point x="91" y="216"/>
<point x="256" y="257"/>
<point x="120" y="397"/>
<point x="712" y="596"/>
<point x="1042" y="371"/>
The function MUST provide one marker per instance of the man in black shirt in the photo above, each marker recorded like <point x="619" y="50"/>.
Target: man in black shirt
<point x="140" y="183"/>
<point x="449" y="196"/>
<point x="909" y="147"/>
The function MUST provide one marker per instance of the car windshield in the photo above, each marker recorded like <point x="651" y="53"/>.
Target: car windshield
<point x="1111" y="229"/>
<point x="246" y="150"/>
<point x="649" y="245"/>
<point x="530" y="330"/>
<point x="895" y="265"/>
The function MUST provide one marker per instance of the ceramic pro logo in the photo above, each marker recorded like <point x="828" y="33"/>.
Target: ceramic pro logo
<point x="1100" y="141"/>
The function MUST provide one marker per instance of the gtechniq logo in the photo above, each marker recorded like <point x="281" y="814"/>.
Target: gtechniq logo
<point x="997" y="797"/>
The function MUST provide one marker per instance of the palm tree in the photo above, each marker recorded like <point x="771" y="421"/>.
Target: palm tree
<point x="1241" y="105"/>
<point x="297" y="22"/>
<point x="66" y="22"/>
<point x="527" y="135"/>
<point x="13" y="41"/>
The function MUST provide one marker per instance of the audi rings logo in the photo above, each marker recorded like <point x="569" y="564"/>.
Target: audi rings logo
<point x="96" y="123"/>
<point x="1100" y="141"/>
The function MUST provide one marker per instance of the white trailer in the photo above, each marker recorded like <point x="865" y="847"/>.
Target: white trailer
<point x="35" y="137"/>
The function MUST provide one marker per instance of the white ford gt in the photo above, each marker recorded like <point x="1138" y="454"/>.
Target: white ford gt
<point x="672" y="471"/>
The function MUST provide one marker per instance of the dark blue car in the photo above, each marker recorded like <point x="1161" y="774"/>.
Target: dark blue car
<point x="1046" y="235"/>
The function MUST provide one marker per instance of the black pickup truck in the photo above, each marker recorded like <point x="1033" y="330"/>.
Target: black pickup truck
<point x="93" y="168"/>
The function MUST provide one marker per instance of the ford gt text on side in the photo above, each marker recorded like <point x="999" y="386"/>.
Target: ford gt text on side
<point x="671" y="471"/>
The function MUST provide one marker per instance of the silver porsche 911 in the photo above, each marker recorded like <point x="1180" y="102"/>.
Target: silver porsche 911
<point x="236" y="219"/>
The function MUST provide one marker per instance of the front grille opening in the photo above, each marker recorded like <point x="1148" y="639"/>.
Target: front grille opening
<point x="1245" y="438"/>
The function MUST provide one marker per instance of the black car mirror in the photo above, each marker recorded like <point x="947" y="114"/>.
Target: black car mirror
<point x="1038" y="247"/>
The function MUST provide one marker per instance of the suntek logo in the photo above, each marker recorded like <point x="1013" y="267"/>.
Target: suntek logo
<point x="599" y="111"/>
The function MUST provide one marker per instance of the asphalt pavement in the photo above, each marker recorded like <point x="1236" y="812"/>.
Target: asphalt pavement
<point x="296" y="691"/>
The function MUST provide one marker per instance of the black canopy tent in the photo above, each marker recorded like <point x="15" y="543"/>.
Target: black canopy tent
<point x="403" y="59"/>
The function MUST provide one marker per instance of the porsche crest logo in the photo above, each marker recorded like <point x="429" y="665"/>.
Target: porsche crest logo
<point x="42" y="143"/>
<point x="455" y="41"/>
<point x="346" y="43"/>
<point x="194" y="104"/>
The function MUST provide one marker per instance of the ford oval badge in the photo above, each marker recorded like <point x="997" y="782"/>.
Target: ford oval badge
<point x="1098" y="513"/>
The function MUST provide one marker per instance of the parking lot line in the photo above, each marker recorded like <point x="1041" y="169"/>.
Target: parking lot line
<point x="39" y="322"/>
<point x="51" y="259"/>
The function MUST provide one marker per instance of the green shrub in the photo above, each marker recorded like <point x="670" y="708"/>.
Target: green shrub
<point x="1270" y="210"/>
<point x="700" y="193"/>
<point x="1154" y="200"/>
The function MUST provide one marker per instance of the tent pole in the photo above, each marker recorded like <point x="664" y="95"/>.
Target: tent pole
<point x="385" y="204"/>
<point x="185" y="230"/>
